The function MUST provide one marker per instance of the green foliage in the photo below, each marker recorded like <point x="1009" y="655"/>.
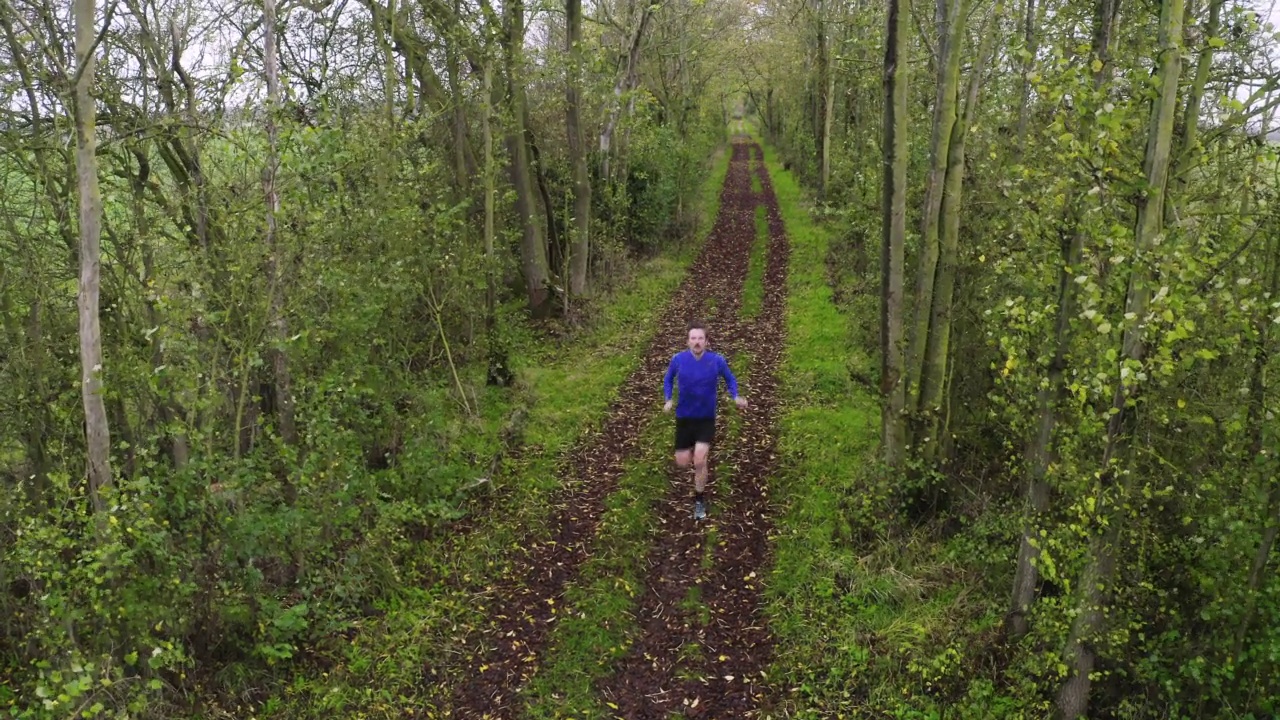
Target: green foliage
<point x="1188" y="490"/>
<point x="251" y="555"/>
<point x="663" y="171"/>
<point x="374" y="663"/>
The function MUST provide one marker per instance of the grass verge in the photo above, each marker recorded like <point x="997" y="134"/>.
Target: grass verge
<point x="827" y="434"/>
<point x="873" y="618"/>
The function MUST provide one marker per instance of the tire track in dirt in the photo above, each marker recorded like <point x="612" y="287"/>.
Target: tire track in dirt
<point x="500" y="658"/>
<point x="727" y="680"/>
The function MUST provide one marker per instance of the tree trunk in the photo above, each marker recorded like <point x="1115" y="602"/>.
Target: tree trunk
<point x="818" y="100"/>
<point x="388" y="75"/>
<point x="491" y="290"/>
<point x="275" y="264"/>
<point x="1040" y="452"/>
<point x="1073" y="696"/>
<point x="1256" y="425"/>
<point x="554" y="248"/>
<point x="894" y="218"/>
<point x="950" y="42"/>
<point x="97" y="433"/>
<point x="1105" y="14"/>
<point x="624" y="84"/>
<point x="174" y="442"/>
<point x="498" y="373"/>
<point x="828" y="115"/>
<point x="462" y="171"/>
<point x="937" y="351"/>
<point x="1029" y="45"/>
<point x="533" y="251"/>
<point x="1191" y="118"/>
<point x="579" y="257"/>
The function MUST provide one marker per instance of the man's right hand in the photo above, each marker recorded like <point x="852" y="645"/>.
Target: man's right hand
<point x="667" y="407"/>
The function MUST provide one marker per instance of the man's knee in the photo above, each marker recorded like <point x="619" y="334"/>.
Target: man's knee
<point x="700" y="461"/>
<point x="684" y="458"/>
<point x="700" y="452"/>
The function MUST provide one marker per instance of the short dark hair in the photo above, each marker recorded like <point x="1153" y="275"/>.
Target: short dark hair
<point x="696" y="325"/>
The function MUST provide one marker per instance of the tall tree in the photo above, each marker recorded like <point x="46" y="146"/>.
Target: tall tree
<point x="950" y="16"/>
<point x="894" y="230"/>
<point x="1186" y="150"/>
<point x="275" y="263"/>
<point x="97" y="432"/>
<point x="1099" y="576"/>
<point x="625" y="83"/>
<point x="533" y="249"/>
<point x="1263" y="462"/>
<point x="1050" y="397"/>
<point x="934" y="374"/>
<point x="1028" y="51"/>
<point x="580" y="255"/>
<point x="828" y="120"/>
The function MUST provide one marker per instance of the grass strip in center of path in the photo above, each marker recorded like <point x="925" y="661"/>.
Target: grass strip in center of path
<point x="591" y="629"/>
<point x="698" y="613"/>
<point x="738" y="642"/>
<point x="597" y="626"/>
<point x="753" y="294"/>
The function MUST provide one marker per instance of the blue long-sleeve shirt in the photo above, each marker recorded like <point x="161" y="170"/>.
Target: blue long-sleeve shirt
<point x="699" y="378"/>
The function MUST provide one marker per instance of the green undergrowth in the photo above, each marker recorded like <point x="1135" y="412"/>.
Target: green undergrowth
<point x="393" y="659"/>
<point x="873" y="617"/>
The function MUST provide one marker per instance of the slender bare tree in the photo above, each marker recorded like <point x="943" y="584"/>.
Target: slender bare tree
<point x="97" y="432"/>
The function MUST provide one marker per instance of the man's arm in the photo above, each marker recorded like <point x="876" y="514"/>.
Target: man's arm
<point x="729" y="380"/>
<point x="666" y="381"/>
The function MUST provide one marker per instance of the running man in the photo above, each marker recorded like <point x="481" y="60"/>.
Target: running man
<point x="698" y="372"/>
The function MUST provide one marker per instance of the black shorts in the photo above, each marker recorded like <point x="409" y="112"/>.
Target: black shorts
<point x="690" y="431"/>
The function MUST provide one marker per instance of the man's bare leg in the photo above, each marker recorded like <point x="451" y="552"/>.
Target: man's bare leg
<point x="684" y="458"/>
<point x="700" y="451"/>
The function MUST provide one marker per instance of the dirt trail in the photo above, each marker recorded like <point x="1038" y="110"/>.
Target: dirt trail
<point x="709" y="661"/>
<point x="499" y="658"/>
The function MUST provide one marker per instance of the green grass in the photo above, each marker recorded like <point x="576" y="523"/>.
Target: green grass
<point x="753" y="292"/>
<point x="379" y="672"/>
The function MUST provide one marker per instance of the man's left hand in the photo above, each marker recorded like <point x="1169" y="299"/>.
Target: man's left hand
<point x="741" y="401"/>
